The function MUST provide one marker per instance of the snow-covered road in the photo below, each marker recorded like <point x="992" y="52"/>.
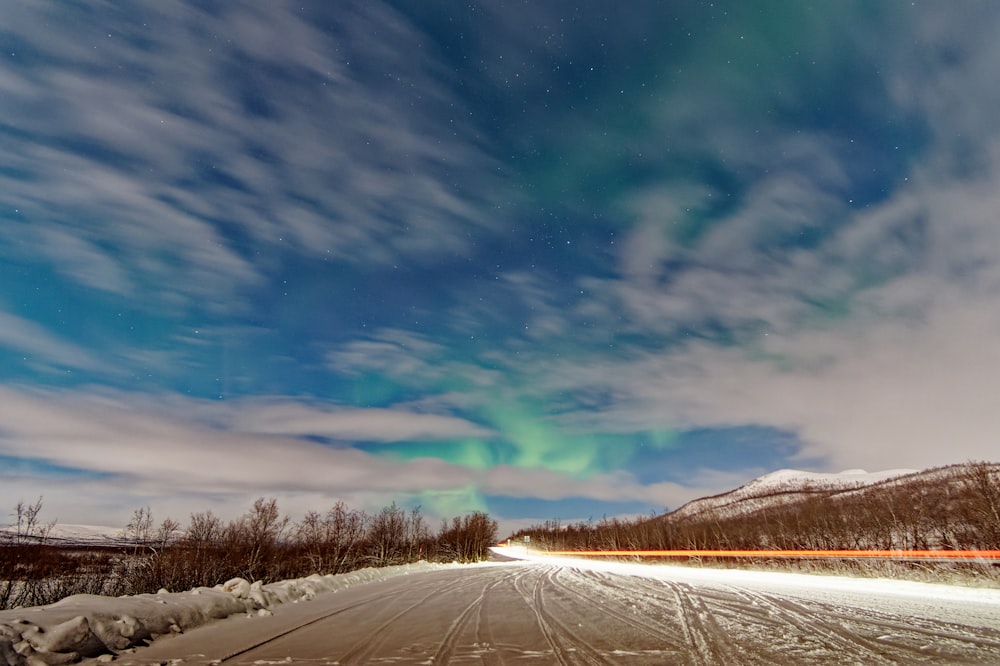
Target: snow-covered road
<point x="567" y="612"/>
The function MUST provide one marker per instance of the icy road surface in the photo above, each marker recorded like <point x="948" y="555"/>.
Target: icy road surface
<point x="572" y="612"/>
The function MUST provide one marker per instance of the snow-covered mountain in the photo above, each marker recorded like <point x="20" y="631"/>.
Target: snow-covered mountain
<point x="785" y="485"/>
<point x="786" y="479"/>
<point x="84" y="535"/>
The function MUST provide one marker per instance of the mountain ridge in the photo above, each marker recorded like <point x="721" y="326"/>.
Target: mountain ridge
<point x="788" y="482"/>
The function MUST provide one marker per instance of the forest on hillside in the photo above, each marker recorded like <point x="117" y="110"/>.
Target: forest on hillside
<point x="948" y="508"/>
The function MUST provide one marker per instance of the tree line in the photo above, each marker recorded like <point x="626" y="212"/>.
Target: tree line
<point x="951" y="508"/>
<point x="261" y="545"/>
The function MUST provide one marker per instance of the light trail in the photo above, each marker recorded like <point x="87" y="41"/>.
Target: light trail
<point x="988" y="555"/>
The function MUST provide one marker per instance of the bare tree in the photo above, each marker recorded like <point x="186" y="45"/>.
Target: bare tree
<point x="259" y="532"/>
<point x="468" y="539"/>
<point x="27" y="525"/>
<point x="17" y="548"/>
<point x="139" y="528"/>
<point x="982" y="483"/>
<point x="387" y="536"/>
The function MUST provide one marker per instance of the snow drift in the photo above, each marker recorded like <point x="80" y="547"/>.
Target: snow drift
<point x="84" y="626"/>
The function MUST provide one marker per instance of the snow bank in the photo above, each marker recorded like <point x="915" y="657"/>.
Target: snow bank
<point x="809" y="586"/>
<point x="85" y="625"/>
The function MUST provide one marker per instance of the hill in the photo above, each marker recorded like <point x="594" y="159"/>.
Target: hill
<point x="953" y="507"/>
<point x="64" y="534"/>
<point x="783" y="487"/>
<point x="950" y="508"/>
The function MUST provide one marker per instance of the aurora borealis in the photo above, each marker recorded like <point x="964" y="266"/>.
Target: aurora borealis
<point x="552" y="260"/>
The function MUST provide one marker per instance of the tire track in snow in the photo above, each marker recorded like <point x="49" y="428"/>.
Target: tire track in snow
<point x="567" y="647"/>
<point x="702" y="640"/>
<point x="821" y="630"/>
<point x="818" y="626"/>
<point x="955" y="635"/>
<point x="710" y="642"/>
<point x="488" y="648"/>
<point x="585" y="651"/>
<point x="484" y="633"/>
<point x="669" y="639"/>
<point x="362" y="651"/>
<point x="705" y="642"/>
<point x="551" y="614"/>
<point x="815" y="631"/>
<point x="271" y="639"/>
<point x="558" y="652"/>
<point x="905" y="641"/>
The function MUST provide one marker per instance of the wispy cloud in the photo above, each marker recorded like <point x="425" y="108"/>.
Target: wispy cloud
<point x="416" y="361"/>
<point x="109" y="435"/>
<point x="200" y="146"/>
<point x="83" y="260"/>
<point x="877" y="347"/>
<point x="611" y="487"/>
<point x="40" y="346"/>
<point x="490" y="242"/>
<point x="382" y="425"/>
<point x="157" y="446"/>
<point x="861" y="321"/>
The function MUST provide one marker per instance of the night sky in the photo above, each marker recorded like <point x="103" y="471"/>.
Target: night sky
<point x="547" y="259"/>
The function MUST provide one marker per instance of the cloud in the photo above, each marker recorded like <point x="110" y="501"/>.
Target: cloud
<point x="416" y="361"/>
<point x="761" y="252"/>
<point x="107" y="435"/>
<point x="873" y="397"/>
<point x="616" y="486"/>
<point x="398" y="351"/>
<point x="381" y="425"/>
<point x="149" y="449"/>
<point x="84" y="261"/>
<point x="898" y="372"/>
<point x="865" y="323"/>
<point x="200" y="148"/>
<point x="33" y="339"/>
<point x="890" y="395"/>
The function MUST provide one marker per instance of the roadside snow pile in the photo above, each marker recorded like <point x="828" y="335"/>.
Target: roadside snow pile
<point x="84" y="625"/>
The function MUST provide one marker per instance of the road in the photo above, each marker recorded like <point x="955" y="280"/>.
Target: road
<point x="545" y="613"/>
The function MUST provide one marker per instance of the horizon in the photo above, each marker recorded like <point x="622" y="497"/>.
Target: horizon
<point x="551" y="261"/>
<point x="506" y="527"/>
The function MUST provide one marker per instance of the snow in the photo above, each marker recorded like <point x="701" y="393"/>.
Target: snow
<point x="543" y="611"/>
<point x="76" y="534"/>
<point x="89" y="626"/>
<point x="85" y="532"/>
<point x="717" y="610"/>
<point x="68" y="531"/>
<point x="792" y="478"/>
<point x="781" y="486"/>
<point x="771" y="579"/>
<point x="966" y="604"/>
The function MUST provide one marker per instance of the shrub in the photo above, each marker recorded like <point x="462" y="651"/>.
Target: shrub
<point x="260" y="545"/>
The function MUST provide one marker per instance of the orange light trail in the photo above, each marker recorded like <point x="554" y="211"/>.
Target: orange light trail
<point x="884" y="554"/>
